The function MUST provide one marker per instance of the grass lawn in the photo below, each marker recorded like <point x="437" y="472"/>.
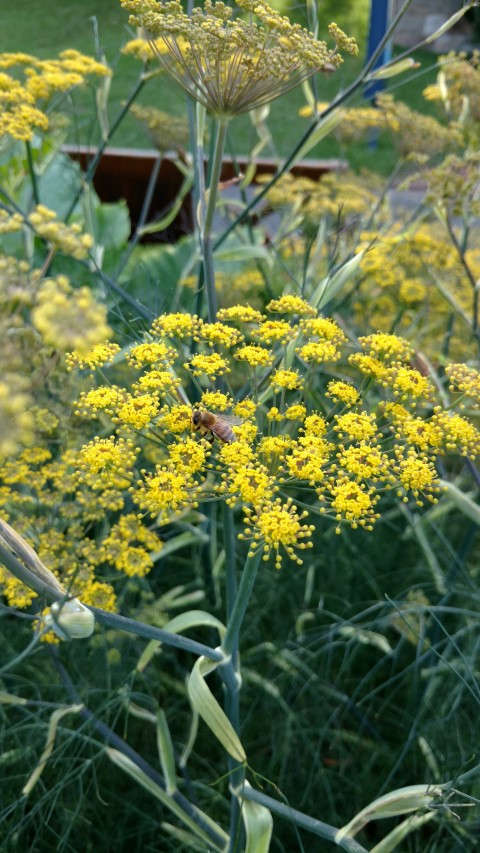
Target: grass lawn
<point x="48" y="27"/>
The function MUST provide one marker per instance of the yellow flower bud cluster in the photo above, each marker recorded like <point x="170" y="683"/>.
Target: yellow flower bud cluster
<point x="230" y="64"/>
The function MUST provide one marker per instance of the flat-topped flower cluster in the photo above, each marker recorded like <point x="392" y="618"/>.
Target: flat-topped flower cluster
<point x="27" y="84"/>
<point x="327" y="426"/>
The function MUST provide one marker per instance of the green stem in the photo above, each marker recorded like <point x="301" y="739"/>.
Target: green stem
<point x="31" y="169"/>
<point x="239" y="608"/>
<point x="229" y="545"/>
<point x="206" y="224"/>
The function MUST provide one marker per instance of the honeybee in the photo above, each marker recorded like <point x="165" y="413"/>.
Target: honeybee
<point x="218" y="427"/>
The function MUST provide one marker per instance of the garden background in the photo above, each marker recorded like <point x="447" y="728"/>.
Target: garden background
<point x="348" y="671"/>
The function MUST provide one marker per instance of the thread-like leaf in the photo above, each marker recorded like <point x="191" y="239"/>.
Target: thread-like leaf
<point x="52" y="730"/>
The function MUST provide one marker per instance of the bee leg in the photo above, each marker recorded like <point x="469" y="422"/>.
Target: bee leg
<point x="211" y="439"/>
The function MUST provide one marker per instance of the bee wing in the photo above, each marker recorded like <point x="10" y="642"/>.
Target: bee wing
<point x="231" y="420"/>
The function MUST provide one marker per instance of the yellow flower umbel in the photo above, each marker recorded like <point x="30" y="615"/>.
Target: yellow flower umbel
<point x="231" y="65"/>
<point x="22" y="102"/>
<point x="16" y="420"/>
<point x="69" y="319"/>
<point x="277" y="526"/>
<point x="330" y="446"/>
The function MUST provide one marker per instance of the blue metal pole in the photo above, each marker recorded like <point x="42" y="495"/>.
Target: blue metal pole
<point x="380" y="13"/>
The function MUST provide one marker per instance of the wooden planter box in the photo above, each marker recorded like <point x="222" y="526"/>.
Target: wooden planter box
<point x="124" y="173"/>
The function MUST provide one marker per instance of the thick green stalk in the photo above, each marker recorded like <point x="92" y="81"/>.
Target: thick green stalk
<point x="231" y="586"/>
<point x="207" y="222"/>
<point x="230" y="673"/>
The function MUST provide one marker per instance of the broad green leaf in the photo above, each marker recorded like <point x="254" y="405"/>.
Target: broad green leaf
<point x="401" y="801"/>
<point x="150" y="264"/>
<point x="129" y="767"/>
<point x="111" y="225"/>
<point x="210" y="711"/>
<point x="332" y="284"/>
<point x="58" y="185"/>
<point x="258" y="824"/>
